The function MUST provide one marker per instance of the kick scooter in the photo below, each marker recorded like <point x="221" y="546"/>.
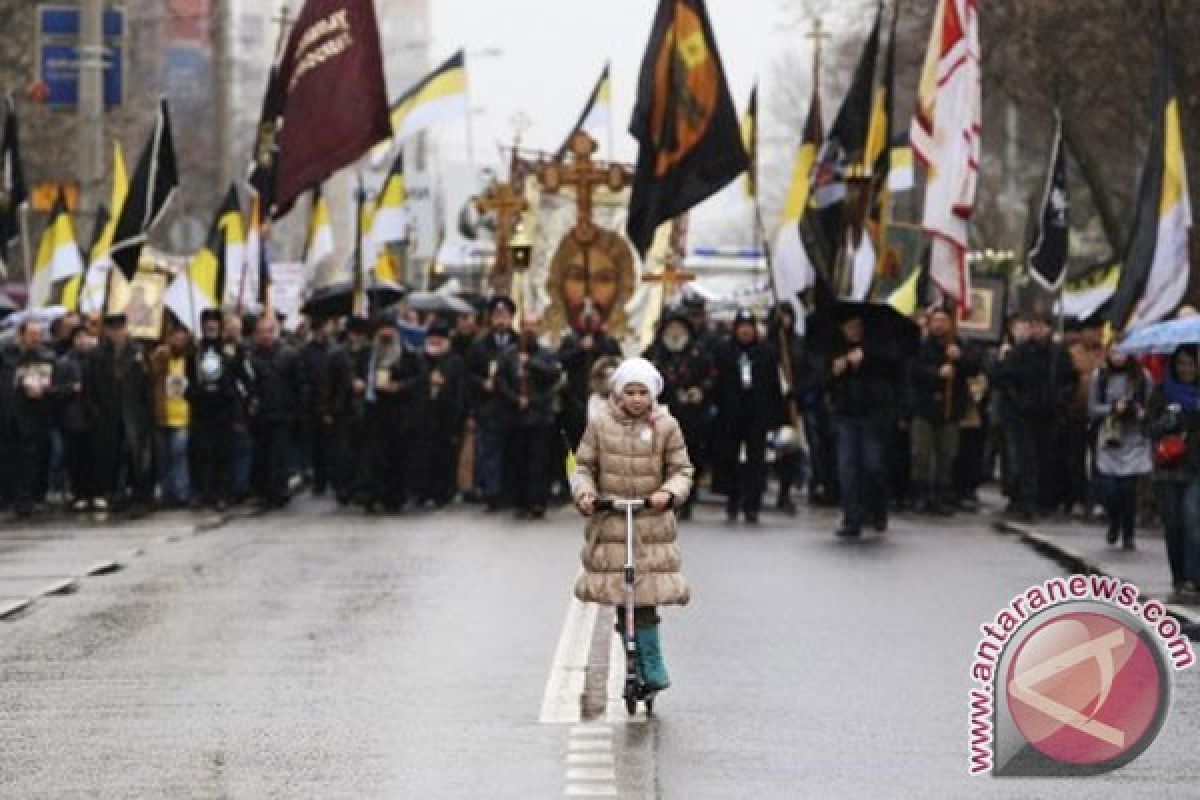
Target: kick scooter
<point x="635" y="686"/>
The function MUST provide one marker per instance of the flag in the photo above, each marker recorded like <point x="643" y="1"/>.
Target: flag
<point x="945" y="134"/>
<point x="690" y="146"/>
<point x="823" y="227"/>
<point x="73" y="291"/>
<point x="793" y="270"/>
<point x="58" y="256"/>
<point x="318" y="244"/>
<point x="750" y="142"/>
<point x="390" y="222"/>
<point x="14" y="194"/>
<point x="902" y="174"/>
<point x="1048" y="245"/>
<point x="201" y="286"/>
<point x="597" y="113"/>
<point x="264" y="169"/>
<point x="334" y="95"/>
<point x="154" y="182"/>
<point x="1155" y="275"/>
<point x="438" y="97"/>
<point x="1087" y="293"/>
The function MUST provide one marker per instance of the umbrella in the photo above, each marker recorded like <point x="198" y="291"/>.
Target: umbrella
<point x="435" y="303"/>
<point x="881" y="323"/>
<point x="1162" y="337"/>
<point x="337" y="299"/>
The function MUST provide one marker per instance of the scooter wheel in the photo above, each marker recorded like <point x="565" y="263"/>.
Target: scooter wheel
<point x="650" y="705"/>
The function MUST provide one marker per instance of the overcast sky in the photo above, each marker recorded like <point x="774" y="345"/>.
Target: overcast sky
<point x="553" y="50"/>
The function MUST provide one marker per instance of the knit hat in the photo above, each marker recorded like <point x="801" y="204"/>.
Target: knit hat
<point x="637" y="370"/>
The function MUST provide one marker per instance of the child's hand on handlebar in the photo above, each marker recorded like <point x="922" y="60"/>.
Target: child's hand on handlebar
<point x="586" y="504"/>
<point x="660" y="500"/>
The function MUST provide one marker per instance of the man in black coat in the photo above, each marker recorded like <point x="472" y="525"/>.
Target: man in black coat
<point x="488" y="410"/>
<point x="216" y="385"/>
<point x="119" y="392"/>
<point x="1036" y="380"/>
<point x="440" y="409"/>
<point x="318" y="437"/>
<point x="861" y="385"/>
<point x="688" y="372"/>
<point x="74" y="418"/>
<point x="526" y="381"/>
<point x="749" y="403"/>
<point x="939" y="376"/>
<point x="32" y="416"/>
<point x="393" y="382"/>
<point x="579" y="351"/>
<point x="277" y="388"/>
<point x="343" y="411"/>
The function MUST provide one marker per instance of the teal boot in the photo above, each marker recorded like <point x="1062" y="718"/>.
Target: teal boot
<point x="654" y="669"/>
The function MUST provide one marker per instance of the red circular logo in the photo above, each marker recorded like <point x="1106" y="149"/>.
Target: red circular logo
<point x="1084" y="688"/>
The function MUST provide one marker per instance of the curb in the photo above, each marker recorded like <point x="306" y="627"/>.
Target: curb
<point x="16" y="607"/>
<point x="1077" y="562"/>
<point x="58" y="588"/>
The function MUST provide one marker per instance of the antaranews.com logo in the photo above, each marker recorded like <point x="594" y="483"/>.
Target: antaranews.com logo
<point x="1072" y="678"/>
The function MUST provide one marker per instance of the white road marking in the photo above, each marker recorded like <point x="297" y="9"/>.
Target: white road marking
<point x="591" y="730"/>
<point x="580" y="745"/>
<point x="562" y="702"/>
<point x="591" y="774"/>
<point x="597" y="790"/>
<point x="585" y="759"/>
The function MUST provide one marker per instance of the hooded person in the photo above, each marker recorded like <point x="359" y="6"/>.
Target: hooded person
<point x="688" y="371"/>
<point x="749" y="402"/>
<point x="635" y="449"/>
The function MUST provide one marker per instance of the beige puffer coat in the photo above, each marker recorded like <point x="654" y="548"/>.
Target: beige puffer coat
<point x="621" y="457"/>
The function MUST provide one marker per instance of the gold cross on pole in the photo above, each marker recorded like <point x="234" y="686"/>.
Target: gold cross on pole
<point x="819" y="35"/>
<point x="585" y="176"/>
<point x="507" y="206"/>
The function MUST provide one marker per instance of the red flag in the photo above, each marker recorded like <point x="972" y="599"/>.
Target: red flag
<point x="335" y="96"/>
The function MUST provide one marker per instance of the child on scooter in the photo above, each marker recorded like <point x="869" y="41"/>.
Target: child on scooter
<point x="634" y="449"/>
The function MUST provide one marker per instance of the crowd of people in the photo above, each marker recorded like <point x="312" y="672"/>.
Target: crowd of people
<point x="400" y="411"/>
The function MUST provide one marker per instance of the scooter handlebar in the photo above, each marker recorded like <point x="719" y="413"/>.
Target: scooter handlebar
<point x="623" y="504"/>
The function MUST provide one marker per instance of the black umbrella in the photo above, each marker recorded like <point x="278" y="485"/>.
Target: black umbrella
<point x="337" y="299"/>
<point x="881" y="324"/>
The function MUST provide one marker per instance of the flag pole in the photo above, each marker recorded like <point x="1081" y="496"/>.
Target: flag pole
<point x="785" y="344"/>
<point x="358" y="284"/>
<point x="612" y="138"/>
<point x="23" y="217"/>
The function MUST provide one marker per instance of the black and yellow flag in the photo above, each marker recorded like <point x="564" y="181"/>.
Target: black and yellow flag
<point x="750" y="142"/>
<point x="1155" y="273"/>
<point x="690" y="142"/>
<point x="155" y="180"/>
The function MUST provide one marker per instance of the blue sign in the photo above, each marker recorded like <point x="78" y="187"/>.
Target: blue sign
<point x="58" y="54"/>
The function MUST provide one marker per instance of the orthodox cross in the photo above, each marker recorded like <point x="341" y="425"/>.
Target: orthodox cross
<point x="585" y="176"/>
<point x="507" y="206"/>
<point x="672" y="276"/>
<point x="819" y="34"/>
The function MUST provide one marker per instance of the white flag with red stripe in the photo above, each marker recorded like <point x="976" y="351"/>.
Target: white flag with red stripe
<point x="946" y="137"/>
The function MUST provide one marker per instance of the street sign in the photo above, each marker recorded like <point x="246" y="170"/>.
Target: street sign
<point x="58" y="54"/>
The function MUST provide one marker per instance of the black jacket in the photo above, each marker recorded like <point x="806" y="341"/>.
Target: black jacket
<point x="929" y="389"/>
<point x="337" y="398"/>
<point x="536" y="379"/>
<point x="216" y="380"/>
<point x="118" y="389"/>
<point x="277" y="385"/>
<point x="760" y="404"/>
<point x="69" y="374"/>
<point x="483" y="366"/>
<point x="1036" y="380"/>
<point x="870" y="391"/>
<point x="32" y="368"/>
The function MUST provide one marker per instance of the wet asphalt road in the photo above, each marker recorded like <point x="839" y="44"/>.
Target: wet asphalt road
<point x="321" y="655"/>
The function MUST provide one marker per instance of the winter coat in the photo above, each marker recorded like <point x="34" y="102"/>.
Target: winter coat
<point x="537" y="379"/>
<point x="1161" y="421"/>
<point x="870" y="391"/>
<point x="929" y="398"/>
<point x="1122" y="448"/>
<point x="622" y="457"/>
